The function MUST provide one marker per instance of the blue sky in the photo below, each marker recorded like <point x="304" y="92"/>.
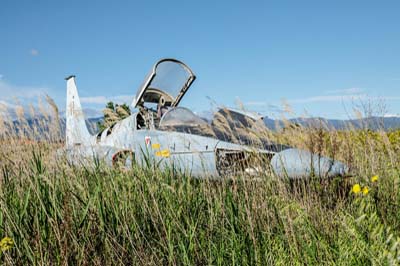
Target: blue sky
<point x="322" y="58"/>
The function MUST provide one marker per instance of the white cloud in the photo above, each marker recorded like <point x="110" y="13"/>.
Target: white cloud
<point x="104" y="99"/>
<point x="391" y="115"/>
<point x="1" y="76"/>
<point x="389" y="98"/>
<point x="95" y="99"/>
<point x="343" y="98"/>
<point x="255" y="103"/>
<point x="4" y="104"/>
<point x="348" y="91"/>
<point x="123" y="99"/>
<point x="327" y="98"/>
<point x="34" y="52"/>
<point x="333" y="96"/>
<point x="10" y="91"/>
<point x="6" y="109"/>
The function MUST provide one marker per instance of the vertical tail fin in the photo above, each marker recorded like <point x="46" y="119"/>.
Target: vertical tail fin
<point x="76" y="129"/>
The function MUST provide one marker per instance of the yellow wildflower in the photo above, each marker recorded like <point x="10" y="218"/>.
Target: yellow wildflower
<point x="356" y="189"/>
<point x="375" y="178"/>
<point x="6" y="243"/>
<point x="365" y="190"/>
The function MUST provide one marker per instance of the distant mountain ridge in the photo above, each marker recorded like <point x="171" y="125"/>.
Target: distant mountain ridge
<point x="40" y="127"/>
<point x="35" y="112"/>
<point x="372" y="123"/>
<point x="42" y="124"/>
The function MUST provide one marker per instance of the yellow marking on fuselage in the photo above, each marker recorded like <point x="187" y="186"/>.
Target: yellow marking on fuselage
<point x="156" y="146"/>
<point x="163" y="153"/>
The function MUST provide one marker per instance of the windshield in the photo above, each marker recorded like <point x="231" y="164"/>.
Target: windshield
<point x="181" y="119"/>
<point x="181" y="116"/>
<point x="167" y="82"/>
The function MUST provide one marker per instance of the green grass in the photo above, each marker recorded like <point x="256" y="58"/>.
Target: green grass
<point x="58" y="214"/>
<point x="61" y="214"/>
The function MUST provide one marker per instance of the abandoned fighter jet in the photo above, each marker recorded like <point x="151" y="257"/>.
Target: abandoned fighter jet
<point x="161" y="131"/>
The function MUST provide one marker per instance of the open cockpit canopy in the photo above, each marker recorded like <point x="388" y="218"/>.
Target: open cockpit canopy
<point x="165" y="85"/>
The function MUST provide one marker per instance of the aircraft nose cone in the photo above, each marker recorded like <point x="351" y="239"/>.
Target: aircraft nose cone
<point x="295" y="163"/>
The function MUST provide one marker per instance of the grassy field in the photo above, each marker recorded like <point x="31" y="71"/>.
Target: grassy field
<point x="53" y="213"/>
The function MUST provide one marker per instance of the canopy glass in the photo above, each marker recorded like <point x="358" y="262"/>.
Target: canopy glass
<point x="166" y="84"/>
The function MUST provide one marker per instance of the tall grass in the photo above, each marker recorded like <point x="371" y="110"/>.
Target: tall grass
<point x="58" y="213"/>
